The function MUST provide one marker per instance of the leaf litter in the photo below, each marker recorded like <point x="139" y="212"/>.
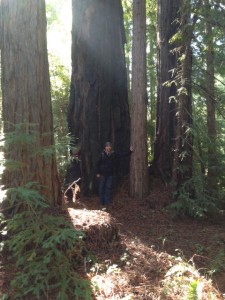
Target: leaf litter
<point x="141" y="252"/>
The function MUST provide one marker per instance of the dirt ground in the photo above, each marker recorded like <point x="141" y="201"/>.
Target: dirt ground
<point x="133" y="263"/>
<point x="148" y="235"/>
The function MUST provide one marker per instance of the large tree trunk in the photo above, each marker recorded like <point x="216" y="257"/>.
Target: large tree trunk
<point x="98" y="109"/>
<point x="26" y="97"/>
<point x="211" y="103"/>
<point x="182" y="167"/>
<point x="138" y="172"/>
<point x="168" y="14"/>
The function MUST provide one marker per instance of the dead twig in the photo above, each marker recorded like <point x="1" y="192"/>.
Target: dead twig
<point x="73" y="186"/>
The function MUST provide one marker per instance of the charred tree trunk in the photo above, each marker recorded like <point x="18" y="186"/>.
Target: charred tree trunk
<point x="98" y="108"/>
<point x="26" y="97"/>
<point x="168" y="13"/>
<point x="182" y="167"/>
<point x="139" y="174"/>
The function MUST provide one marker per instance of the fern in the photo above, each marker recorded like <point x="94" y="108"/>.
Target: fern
<point x="46" y="249"/>
<point x="192" y="293"/>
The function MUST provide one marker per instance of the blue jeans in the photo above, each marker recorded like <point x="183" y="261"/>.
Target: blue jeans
<point x="105" y="190"/>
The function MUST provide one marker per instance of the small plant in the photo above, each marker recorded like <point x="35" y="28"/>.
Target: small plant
<point x="193" y="199"/>
<point x="163" y="240"/>
<point x="193" y="292"/>
<point x="218" y="263"/>
<point x="201" y="249"/>
<point x="183" y="281"/>
<point x="124" y="257"/>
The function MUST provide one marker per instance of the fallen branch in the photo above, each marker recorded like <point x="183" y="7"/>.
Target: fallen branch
<point x="72" y="187"/>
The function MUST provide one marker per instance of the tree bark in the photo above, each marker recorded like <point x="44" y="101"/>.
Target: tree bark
<point x="98" y="109"/>
<point x="212" y="175"/>
<point x="26" y="97"/>
<point x="168" y="15"/>
<point x="182" y="164"/>
<point x="138" y="170"/>
<point x="151" y="76"/>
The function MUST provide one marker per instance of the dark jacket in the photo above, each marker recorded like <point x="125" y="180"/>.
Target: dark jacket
<point x="106" y="162"/>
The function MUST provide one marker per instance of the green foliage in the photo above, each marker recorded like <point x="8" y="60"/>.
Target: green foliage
<point x="193" y="199"/>
<point x="22" y="144"/>
<point x="52" y="11"/>
<point x="201" y="249"/>
<point x="5" y="297"/>
<point x="192" y="293"/>
<point x="46" y="248"/>
<point x="183" y="281"/>
<point x="60" y="83"/>
<point x="218" y="263"/>
<point x="151" y="7"/>
<point x="28" y="196"/>
<point x="23" y="134"/>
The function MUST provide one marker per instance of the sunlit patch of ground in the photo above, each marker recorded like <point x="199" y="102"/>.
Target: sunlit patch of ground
<point x="139" y="263"/>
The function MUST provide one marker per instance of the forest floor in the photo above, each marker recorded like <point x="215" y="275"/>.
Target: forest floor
<point x="139" y="251"/>
<point x="150" y="242"/>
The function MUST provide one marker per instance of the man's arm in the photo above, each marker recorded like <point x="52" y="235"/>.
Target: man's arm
<point x="98" y="166"/>
<point x="124" y="154"/>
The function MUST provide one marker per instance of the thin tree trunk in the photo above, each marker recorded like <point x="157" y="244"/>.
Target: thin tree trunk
<point x="168" y="13"/>
<point x="182" y="165"/>
<point x="152" y="87"/>
<point x="98" y="108"/>
<point x="211" y="102"/>
<point x="26" y="96"/>
<point x="201" y="159"/>
<point x="138" y="172"/>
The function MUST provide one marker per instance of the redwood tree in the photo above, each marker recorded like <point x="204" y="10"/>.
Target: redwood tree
<point x="210" y="100"/>
<point x="26" y="97"/>
<point x="182" y="164"/>
<point x="138" y="172"/>
<point x="168" y="23"/>
<point x="98" y="107"/>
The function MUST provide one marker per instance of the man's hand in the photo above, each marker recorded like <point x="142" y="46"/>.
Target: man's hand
<point x="98" y="175"/>
<point x="131" y="149"/>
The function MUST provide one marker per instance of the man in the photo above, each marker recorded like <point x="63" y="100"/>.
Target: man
<point x="105" y="168"/>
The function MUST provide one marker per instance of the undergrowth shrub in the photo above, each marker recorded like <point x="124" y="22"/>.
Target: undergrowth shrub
<point x="218" y="263"/>
<point x="41" y="241"/>
<point x="183" y="281"/>
<point x="46" y="248"/>
<point x="194" y="199"/>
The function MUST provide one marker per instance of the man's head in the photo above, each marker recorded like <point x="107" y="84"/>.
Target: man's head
<point x="108" y="147"/>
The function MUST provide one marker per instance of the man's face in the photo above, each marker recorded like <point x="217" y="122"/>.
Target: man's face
<point x="108" y="148"/>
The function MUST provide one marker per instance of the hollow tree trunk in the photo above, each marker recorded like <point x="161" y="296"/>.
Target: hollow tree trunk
<point x="26" y="97"/>
<point x="168" y="13"/>
<point x="138" y="172"/>
<point x="98" y="108"/>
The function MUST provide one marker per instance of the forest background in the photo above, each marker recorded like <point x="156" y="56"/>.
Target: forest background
<point x="192" y="129"/>
<point x="177" y="119"/>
